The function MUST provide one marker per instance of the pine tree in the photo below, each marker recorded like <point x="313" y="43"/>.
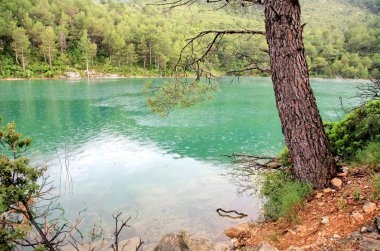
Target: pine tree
<point x="20" y="44"/>
<point x="48" y="45"/>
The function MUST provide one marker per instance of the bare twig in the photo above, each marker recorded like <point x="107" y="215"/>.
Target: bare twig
<point x="118" y="229"/>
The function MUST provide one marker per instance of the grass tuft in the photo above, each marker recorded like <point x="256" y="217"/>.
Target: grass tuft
<point x="369" y="156"/>
<point x="285" y="195"/>
<point x="376" y="187"/>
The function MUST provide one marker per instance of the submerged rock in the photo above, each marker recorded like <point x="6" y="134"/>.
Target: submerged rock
<point x="185" y="242"/>
<point x="172" y="242"/>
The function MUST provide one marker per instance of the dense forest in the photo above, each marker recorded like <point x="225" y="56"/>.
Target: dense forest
<point x="46" y="38"/>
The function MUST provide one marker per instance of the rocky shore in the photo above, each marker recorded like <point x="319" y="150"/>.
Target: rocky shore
<point x="344" y="216"/>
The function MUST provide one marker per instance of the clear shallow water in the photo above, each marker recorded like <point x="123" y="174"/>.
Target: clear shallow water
<point x="169" y="170"/>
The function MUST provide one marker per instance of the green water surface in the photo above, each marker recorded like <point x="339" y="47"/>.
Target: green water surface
<point x="167" y="173"/>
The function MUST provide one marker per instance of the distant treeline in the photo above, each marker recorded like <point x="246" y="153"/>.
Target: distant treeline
<point x="372" y="5"/>
<point x="45" y="38"/>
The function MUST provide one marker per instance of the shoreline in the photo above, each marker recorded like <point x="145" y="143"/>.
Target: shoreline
<point x="75" y="75"/>
<point x="91" y="78"/>
<point x="157" y="77"/>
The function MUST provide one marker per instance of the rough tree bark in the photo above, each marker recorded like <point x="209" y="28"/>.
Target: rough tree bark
<point x="301" y="123"/>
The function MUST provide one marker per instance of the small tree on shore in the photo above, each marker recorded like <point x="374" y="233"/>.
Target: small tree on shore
<point x="19" y="188"/>
<point x="87" y="48"/>
<point x="48" y="44"/>
<point x="20" y="44"/>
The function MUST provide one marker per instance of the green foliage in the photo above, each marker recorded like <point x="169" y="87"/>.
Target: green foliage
<point x="40" y="248"/>
<point x="357" y="194"/>
<point x="340" y="39"/>
<point x="18" y="179"/>
<point x="6" y="239"/>
<point x="170" y="94"/>
<point x="376" y="187"/>
<point x="284" y="157"/>
<point x="284" y="195"/>
<point x="369" y="156"/>
<point x="356" y="130"/>
<point x="342" y="204"/>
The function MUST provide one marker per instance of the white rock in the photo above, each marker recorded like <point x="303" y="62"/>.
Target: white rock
<point x="265" y="246"/>
<point x="327" y="190"/>
<point x="237" y="230"/>
<point x="73" y="75"/>
<point x="345" y="169"/>
<point x="369" y="207"/>
<point x="318" y="195"/>
<point x="325" y="220"/>
<point x="357" y="216"/>
<point x="336" y="236"/>
<point x="336" y="182"/>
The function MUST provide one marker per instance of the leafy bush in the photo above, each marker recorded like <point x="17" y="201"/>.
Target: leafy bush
<point x="18" y="186"/>
<point x="356" y="130"/>
<point x="284" y="195"/>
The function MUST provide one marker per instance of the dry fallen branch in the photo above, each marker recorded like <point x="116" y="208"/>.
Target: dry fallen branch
<point x="226" y="213"/>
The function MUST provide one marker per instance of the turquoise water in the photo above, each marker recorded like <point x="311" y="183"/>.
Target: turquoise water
<point x="167" y="173"/>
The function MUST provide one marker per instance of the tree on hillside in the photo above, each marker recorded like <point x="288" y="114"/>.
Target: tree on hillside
<point x="130" y="54"/>
<point x="47" y="46"/>
<point x="86" y="48"/>
<point x="20" y="44"/>
<point x="301" y="122"/>
<point x="62" y="38"/>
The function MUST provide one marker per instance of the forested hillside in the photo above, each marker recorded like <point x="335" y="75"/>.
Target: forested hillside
<point x="45" y="38"/>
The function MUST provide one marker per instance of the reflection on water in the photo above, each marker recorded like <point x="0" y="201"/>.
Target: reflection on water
<point x="168" y="170"/>
<point x="168" y="193"/>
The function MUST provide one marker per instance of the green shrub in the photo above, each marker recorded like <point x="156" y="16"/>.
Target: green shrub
<point x="284" y="195"/>
<point x="284" y="157"/>
<point x="369" y="156"/>
<point x="356" y="130"/>
<point x="376" y="187"/>
<point x="357" y="194"/>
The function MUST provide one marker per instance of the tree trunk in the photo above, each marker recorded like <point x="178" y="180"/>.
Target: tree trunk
<point x="17" y="58"/>
<point x="88" y="73"/>
<point x="50" y="56"/>
<point x="302" y="125"/>
<point x="150" y="53"/>
<point x="22" y="59"/>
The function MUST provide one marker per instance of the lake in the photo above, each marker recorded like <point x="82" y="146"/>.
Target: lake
<point x="167" y="173"/>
